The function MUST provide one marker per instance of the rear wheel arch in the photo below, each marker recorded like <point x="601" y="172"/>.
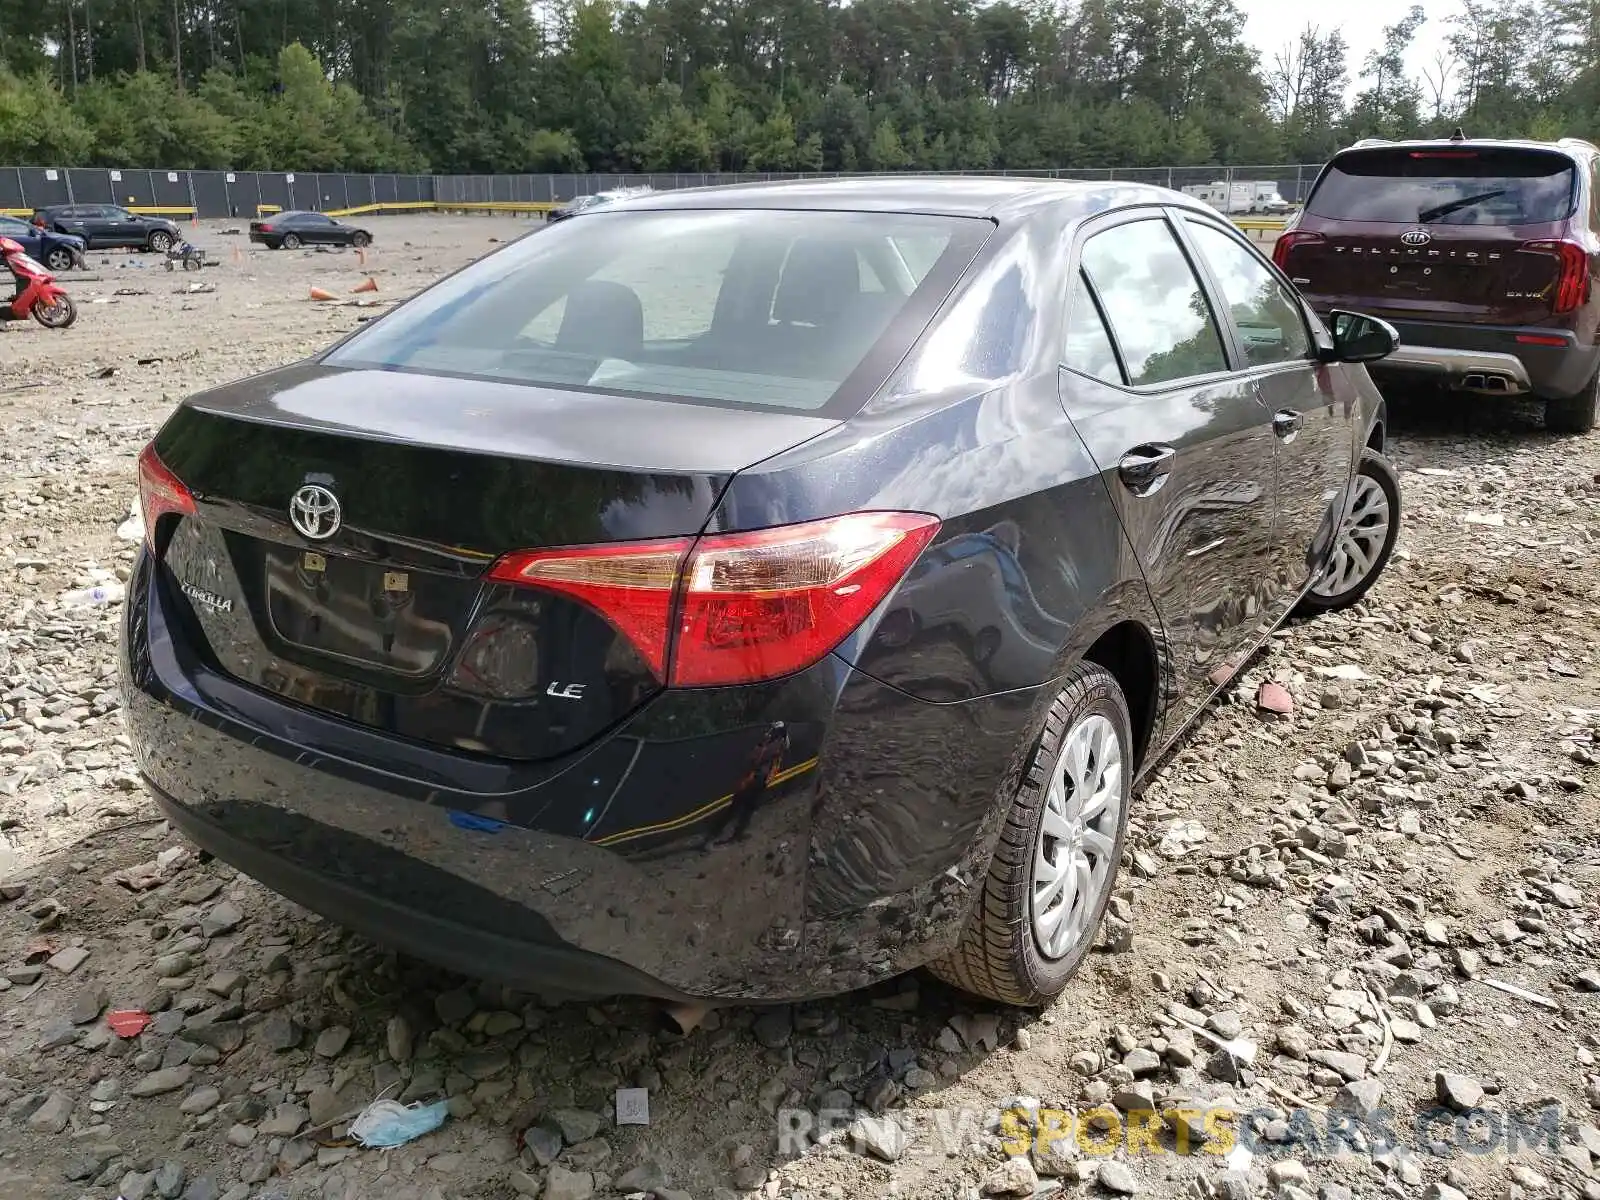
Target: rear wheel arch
<point x="1127" y="650"/>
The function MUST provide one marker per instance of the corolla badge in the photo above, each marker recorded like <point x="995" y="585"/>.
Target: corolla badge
<point x="314" y="511"/>
<point x="1416" y="237"/>
<point x="205" y="599"/>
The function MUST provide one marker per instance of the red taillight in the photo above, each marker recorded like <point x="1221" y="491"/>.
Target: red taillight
<point x="1536" y="339"/>
<point x="1572" y="282"/>
<point x="1287" y="243"/>
<point x="1444" y="154"/>
<point x="160" y="492"/>
<point x="749" y="606"/>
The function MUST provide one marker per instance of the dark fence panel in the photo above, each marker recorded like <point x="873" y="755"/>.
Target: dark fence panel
<point x="239" y="194"/>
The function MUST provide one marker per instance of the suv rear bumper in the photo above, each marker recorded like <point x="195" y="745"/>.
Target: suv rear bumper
<point x="1490" y="359"/>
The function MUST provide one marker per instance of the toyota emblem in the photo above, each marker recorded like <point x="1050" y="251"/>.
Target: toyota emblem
<point x="314" y="511"/>
<point x="1416" y="237"/>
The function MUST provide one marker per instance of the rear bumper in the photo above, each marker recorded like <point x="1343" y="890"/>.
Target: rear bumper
<point x="598" y="874"/>
<point x="1491" y="359"/>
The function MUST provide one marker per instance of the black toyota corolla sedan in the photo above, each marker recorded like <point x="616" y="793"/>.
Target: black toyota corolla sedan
<point x="748" y="594"/>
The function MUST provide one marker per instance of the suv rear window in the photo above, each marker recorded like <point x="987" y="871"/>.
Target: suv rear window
<point x="1446" y="186"/>
<point x="745" y="307"/>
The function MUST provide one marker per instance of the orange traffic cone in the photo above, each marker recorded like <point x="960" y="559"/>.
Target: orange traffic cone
<point x="368" y="285"/>
<point x="318" y="294"/>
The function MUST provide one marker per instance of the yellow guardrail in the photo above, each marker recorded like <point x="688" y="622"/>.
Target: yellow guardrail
<point x="147" y="210"/>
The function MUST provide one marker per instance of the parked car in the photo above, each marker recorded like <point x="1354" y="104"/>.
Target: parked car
<point x="57" y="251"/>
<point x="592" y="201"/>
<point x="480" y="631"/>
<point x="1482" y="253"/>
<point x="105" y="226"/>
<point x="291" y="230"/>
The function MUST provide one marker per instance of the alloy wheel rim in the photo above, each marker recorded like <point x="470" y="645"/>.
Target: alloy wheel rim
<point x="1361" y="539"/>
<point x="1074" y="857"/>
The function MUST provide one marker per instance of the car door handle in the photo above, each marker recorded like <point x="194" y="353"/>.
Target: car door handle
<point x="1286" y="422"/>
<point x="1145" y="468"/>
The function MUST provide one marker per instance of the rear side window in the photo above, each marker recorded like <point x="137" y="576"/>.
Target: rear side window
<point x="1089" y="349"/>
<point x="1157" y="310"/>
<point x="1447" y="187"/>
<point x="1266" y="315"/>
<point x="748" y="307"/>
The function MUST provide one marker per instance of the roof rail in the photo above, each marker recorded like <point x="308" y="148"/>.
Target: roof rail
<point x="1579" y="142"/>
<point x="1459" y="135"/>
<point x="1369" y="142"/>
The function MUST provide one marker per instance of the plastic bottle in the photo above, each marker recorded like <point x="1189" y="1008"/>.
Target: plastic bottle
<point x="101" y="593"/>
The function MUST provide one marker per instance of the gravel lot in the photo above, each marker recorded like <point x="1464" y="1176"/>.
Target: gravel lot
<point x="1333" y="892"/>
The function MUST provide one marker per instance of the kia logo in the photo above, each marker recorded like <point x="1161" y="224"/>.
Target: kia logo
<point x="1416" y="237"/>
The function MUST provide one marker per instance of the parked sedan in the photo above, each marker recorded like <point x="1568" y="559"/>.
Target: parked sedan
<point x="57" y="251"/>
<point x="555" y="627"/>
<point x="291" y="230"/>
<point x="105" y="226"/>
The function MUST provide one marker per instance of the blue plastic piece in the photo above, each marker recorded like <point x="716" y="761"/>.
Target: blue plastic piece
<point x="465" y="820"/>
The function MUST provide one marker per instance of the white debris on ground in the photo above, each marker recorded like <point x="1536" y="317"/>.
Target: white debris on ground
<point x="1366" y="892"/>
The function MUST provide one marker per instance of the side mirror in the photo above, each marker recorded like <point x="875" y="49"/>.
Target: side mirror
<point x="1360" y="338"/>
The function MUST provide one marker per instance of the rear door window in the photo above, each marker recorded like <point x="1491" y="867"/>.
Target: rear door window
<point x="1157" y="309"/>
<point x="1266" y="315"/>
<point x="1491" y="186"/>
<point x="1089" y="348"/>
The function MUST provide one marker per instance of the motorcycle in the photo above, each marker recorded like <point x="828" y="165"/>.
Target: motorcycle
<point x="37" y="295"/>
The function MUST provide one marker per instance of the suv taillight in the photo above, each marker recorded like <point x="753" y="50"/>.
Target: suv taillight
<point x="1572" y="281"/>
<point x="160" y="492"/>
<point x="735" y="607"/>
<point x="1287" y="243"/>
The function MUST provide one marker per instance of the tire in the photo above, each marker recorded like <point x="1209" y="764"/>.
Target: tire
<point x="192" y="264"/>
<point x="160" y="242"/>
<point x="1336" y="588"/>
<point x="1002" y="955"/>
<point x="60" y="260"/>
<point x="57" y="316"/>
<point x="1575" y="414"/>
<point x="291" y="241"/>
<point x="360" y="240"/>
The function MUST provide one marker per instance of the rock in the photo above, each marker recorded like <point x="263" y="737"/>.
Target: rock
<point x="399" y="1038"/>
<point x="159" y="1083"/>
<point x="1227" y="1025"/>
<point x="773" y="1028"/>
<point x="1117" y="1179"/>
<point x="648" y="1176"/>
<point x="280" y="1032"/>
<point x="224" y="918"/>
<point x="882" y="1137"/>
<point x="1288" y="1170"/>
<point x="1460" y="1092"/>
<point x="201" y="1100"/>
<point x="68" y="960"/>
<point x="332" y="1041"/>
<point x="576" y="1124"/>
<point x="1294" y="1041"/>
<point x="1142" y="1061"/>
<point x="241" y="1135"/>
<point x="169" y="1179"/>
<point x="1274" y="698"/>
<point x="1359" y="1097"/>
<point x="53" y="1114"/>
<point x="1014" y="1177"/>
<point x="543" y="1143"/>
<point x="202" y="1188"/>
<point x="286" y="1121"/>
<point x="454" y="1007"/>
<point x="1349" y="1066"/>
<point x="88" y="1004"/>
<point x="1055" y="1156"/>
<point x="136" y="1185"/>
<point x="1442" y="1191"/>
<point x="562" y="1184"/>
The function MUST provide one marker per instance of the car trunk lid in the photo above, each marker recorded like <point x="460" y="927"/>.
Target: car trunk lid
<point x="337" y="550"/>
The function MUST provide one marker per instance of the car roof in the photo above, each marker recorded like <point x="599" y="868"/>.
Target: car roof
<point x="995" y="196"/>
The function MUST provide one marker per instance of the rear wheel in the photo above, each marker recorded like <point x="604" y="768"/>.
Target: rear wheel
<point x="1048" y="885"/>
<point x="291" y="241"/>
<point x="360" y="241"/>
<point x="160" y="241"/>
<point x="1575" y="414"/>
<point x="1365" y="539"/>
<point x="59" y="259"/>
<point x="58" y="315"/>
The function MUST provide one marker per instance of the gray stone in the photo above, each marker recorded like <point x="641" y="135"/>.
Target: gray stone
<point x="543" y="1143"/>
<point x="88" y="1004"/>
<point x="562" y="1184"/>
<point x="883" y="1138"/>
<point x="1442" y="1191"/>
<point x="169" y="1179"/>
<point x="1014" y="1177"/>
<point x="332" y="1041"/>
<point x="136" y="1185"/>
<point x="1460" y="1092"/>
<point x="201" y="1100"/>
<point x="280" y="1032"/>
<point x="576" y="1124"/>
<point x="241" y="1135"/>
<point x="53" y="1114"/>
<point x="1359" y="1097"/>
<point x="1116" y="1178"/>
<point x="285" y="1121"/>
<point x="159" y="1083"/>
<point x="773" y="1028"/>
<point x="1142" y="1061"/>
<point x="648" y="1176"/>
<point x="484" y="1064"/>
<point x="454" y="1007"/>
<point x="224" y="918"/>
<point x="68" y="959"/>
<point x="1349" y="1066"/>
<point x="400" y="1038"/>
<point x="202" y="1188"/>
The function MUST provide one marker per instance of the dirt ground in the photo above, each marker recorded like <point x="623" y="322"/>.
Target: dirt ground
<point x="1335" y="893"/>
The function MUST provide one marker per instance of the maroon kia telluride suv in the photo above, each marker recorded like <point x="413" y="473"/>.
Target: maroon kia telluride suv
<point x="1481" y="254"/>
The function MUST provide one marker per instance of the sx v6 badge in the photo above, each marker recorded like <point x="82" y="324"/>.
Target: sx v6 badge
<point x="205" y="599"/>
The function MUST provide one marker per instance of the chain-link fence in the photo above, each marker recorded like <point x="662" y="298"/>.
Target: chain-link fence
<point x="1242" y="189"/>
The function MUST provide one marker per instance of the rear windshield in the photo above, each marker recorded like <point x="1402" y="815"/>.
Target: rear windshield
<point x="1446" y="187"/>
<point x="749" y="307"/>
